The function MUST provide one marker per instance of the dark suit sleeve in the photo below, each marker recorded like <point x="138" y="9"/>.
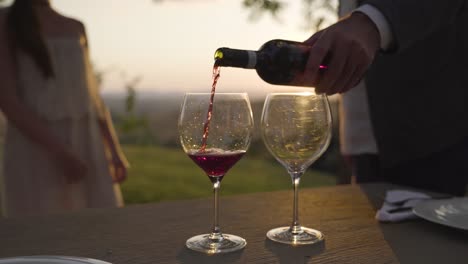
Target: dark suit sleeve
<point x="414" y="20"/>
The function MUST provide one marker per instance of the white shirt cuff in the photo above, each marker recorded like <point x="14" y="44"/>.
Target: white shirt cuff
<point x="386" y="36"/>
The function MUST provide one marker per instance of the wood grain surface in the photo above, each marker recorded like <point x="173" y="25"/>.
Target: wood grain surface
<point x="156" y="233"/>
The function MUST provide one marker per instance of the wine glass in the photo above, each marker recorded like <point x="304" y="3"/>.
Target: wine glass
<point x="215" y="131"/>
<point x="296" y="129"/>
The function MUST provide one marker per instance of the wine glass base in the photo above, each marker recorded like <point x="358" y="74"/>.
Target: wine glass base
<point x="284" y="235"/>
<point x="228" y="243"/>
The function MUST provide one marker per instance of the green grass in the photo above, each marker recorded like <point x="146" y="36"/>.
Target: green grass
<point x="159" y="174"/>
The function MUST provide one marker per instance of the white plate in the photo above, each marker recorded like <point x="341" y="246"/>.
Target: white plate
<point x="449" y="212"/>
<point x="50" y="260"/>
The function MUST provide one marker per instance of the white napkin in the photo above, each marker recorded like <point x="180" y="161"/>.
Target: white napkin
<point x="399" y="199"/>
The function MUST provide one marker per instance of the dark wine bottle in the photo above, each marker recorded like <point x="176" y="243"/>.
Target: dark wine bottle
<point x="277" y="61"/>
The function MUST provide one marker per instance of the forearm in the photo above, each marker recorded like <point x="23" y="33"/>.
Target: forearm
<point x="33" y="127"/>
<point x="110" y="137"/>
<point x="412" y="20"/>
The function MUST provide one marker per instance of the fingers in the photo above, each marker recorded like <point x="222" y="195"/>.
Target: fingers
<point x="71" y="179"/>
<point x="355" y="78"/>
<point x="75" y="171"/>
<point x="317" y="54"/>
<point x="347" y="48"/>
<point x="346" y="82"/>
<point x="358" y="69"/>
<point x="349" y="77"/>
<point x="118" y="170"/>
<point x="338" y="70"/>
<point x="347" y="63"/>
<point x="75" y="177"/>
<point x="120" y="173"/>
<point x="72" y="167"/>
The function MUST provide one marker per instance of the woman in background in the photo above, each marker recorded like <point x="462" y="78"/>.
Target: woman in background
<point x="61" y="152"/>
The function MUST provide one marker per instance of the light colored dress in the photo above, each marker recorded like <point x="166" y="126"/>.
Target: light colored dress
<point x="69" y="104"/>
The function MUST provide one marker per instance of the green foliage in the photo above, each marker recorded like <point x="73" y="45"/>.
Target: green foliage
<point x="316" y="13"/>
<point x="159" y="174"/>
<point x="319" y="13"/>
<point x="130" y="99"/>
<point x="129" y="124"/>
<point x="258" y="7"/>
<point x="132" y="127"/>
<point x="133" y="130"/>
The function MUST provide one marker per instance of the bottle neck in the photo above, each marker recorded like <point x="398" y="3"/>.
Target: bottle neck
<point x="236" y="58"/>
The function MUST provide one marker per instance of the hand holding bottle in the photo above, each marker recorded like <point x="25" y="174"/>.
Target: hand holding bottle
<point x="349" y="47"/>
<point x="333" y="60"/>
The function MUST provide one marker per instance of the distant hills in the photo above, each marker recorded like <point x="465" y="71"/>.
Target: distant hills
<point x="162" y="111"/>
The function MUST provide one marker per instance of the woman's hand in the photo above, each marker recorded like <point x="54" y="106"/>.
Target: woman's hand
<point x="118" y="163"/>
<point x="74" y="168"/>
<point x="119" y="168"/>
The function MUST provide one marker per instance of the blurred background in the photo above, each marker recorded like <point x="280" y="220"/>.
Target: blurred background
<point x="147" y="53"/>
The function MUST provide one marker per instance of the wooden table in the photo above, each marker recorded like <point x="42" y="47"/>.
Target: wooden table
<point x="156" y="233"/>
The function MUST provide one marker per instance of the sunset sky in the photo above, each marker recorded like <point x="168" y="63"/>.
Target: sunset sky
<point x="170" y="44"/>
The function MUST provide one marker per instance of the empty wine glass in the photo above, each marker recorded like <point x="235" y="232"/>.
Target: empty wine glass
<point x="215" y="132"/>
<point x="296" y="129"/>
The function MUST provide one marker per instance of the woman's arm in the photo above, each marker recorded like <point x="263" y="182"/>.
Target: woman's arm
<point x="118" y="161"/>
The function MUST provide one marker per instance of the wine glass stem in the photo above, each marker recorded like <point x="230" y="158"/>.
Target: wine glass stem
<point x="296" y="227"/>
<point x="216" y="231"/>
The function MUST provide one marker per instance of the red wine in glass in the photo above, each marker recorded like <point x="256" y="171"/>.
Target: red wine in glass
<point x="216" y="162"/>
<point x="229" y="123"/>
